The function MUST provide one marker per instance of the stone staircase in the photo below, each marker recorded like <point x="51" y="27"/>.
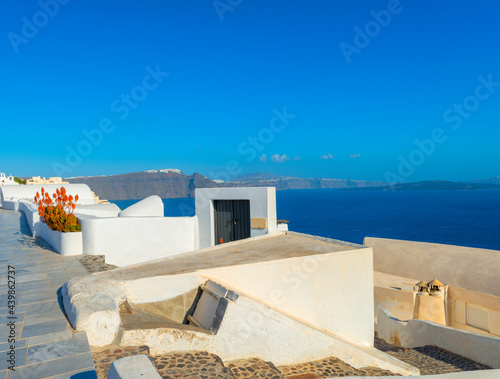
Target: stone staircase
<point x="204" y="365"/>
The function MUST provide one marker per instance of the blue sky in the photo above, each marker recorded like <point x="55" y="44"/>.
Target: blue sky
<point x="375" y="90"/>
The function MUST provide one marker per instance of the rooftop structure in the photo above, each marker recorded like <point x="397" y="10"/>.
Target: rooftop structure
<point x="7" y="180"/>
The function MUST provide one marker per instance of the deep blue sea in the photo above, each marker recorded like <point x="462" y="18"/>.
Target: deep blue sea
<point x="466" y="218"/>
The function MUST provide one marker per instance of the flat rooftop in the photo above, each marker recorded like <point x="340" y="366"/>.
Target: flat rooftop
<point x="381" y="279"/>
<point x="252" y="250"/>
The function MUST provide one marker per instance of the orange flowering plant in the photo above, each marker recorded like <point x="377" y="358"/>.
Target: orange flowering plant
<point x="57" y="210"/>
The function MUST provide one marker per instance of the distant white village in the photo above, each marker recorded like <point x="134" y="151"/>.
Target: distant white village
<point x="233" y="281"/>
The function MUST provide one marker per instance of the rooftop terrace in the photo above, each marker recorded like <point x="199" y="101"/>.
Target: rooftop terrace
<point x="259" y="249"/>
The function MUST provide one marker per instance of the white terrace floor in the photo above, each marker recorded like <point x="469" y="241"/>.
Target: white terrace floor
<point x="46" y="346"/>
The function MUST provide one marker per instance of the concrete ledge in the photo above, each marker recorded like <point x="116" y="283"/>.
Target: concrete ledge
<point x="326" y="239"/>
<point x="138" y="366"/>
<point x="416" y="333"/>
<point x="92" y="304"/>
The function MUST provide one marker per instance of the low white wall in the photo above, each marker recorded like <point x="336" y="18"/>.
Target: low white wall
<point x="129" y="240"/>
<point x="30" y="210"/>
<point x="28" y="192"/>
<point x="416" y="333"/>
<point x="262" y="205"/>
<point x="332" y="292"/>
<point x="10" y="205"/>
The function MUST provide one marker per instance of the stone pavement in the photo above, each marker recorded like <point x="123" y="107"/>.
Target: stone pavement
<point x="94" y="263"/>
<point x="45" y="344"/>
<point x="430" y="360"/>
<point x="329" y="367"/>
<point x="204" y="365"/>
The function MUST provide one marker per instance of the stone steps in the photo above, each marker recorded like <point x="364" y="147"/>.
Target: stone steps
<point x="254" y="368"/>
<point x="204" y="365"/>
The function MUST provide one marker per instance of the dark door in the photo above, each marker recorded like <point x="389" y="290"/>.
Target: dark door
<point x="232" y="220"/>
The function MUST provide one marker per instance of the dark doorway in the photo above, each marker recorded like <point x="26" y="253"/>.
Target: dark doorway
<point x="232" y="220"/>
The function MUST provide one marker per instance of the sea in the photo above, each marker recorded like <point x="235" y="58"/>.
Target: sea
<point x="464" y="218"/>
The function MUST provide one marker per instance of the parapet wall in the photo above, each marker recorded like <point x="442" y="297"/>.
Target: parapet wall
<point x="416" y="333"/>
<point x="131" y="240"/>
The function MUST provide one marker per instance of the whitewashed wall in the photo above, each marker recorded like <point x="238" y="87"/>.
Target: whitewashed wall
<point x="129" y="240"/>
<point x="262" y="205"/>
<point x="332" y="292"/>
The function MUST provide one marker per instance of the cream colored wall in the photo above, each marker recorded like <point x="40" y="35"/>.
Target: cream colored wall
<point x="460" y="298"/>
<point x="464" y="267"/>
<point x="332" y="292"/>
<point x="399" y="303"/>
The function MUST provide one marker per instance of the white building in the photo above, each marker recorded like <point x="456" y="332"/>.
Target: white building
<point x="7" y="180"/>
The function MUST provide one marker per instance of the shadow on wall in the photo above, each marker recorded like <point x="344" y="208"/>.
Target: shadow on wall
<point x="23" y="225"/>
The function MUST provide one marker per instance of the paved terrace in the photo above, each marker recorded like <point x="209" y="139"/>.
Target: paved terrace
<point x="259" y="249"/>
<point x="46" y="346"/>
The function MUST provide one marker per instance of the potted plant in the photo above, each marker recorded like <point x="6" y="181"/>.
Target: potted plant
<point x="63" y="230"/>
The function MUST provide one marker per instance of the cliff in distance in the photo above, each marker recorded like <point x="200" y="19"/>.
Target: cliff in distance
<point x="138" y="185"/>
<point x="284" y="183"/>
<point x="169" y="183"/>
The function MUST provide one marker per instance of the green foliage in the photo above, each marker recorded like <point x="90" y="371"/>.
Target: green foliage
<point x="19" y="180"/>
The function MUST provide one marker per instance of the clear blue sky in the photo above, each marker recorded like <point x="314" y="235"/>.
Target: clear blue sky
<point x="364" y="80"/>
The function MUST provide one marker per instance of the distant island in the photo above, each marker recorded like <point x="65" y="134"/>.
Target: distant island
<point x="435" y="185"/>
<point x="173" y="183"/>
